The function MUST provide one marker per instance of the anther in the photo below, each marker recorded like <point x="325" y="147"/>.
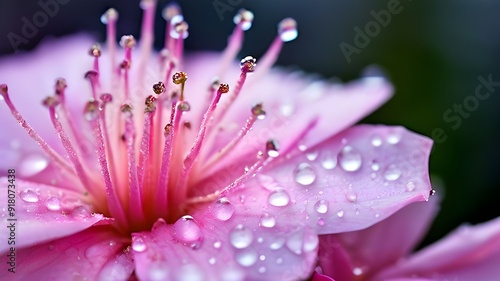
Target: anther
<point x="184" y="106"/>
<point x="172" y="13"/>
<point x="272" y="148"/>
<point x="287" y="29"/>
<point x="150" y="104"/>
<point x="180" y="78"/>
<point x="95" y="51"/>
<point x="245" y="17"/>
<point x="106" y="98"/>
<point x="180" y="30"/>
<point x="60" y="86"/>
<point x="110" y="15"/>
<point x="127" y="41"/>
<point x="4" y="89"/>
<point x="168" y="129"/>
<point x="258" y="111"/>
<point x="187" y="124"/>
<point x="248" y="64"/>
<point x="159" y="88"/>
<point x="223" y="88"/>
<point x="91" y="110"/>
<point x="50" y="101"/>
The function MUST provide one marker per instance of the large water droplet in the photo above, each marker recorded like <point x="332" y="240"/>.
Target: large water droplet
<point x="328" y="161"/>
<point x="350" y="159"/>
<point x="321" y="206"/>
<point x="53" y="203"/>
<point x="29" y="195"/>
<point x="139" y="245"/>
<point x="246" y="257"/>
<point x="81" y="211"/>
<point x="295" y="242"/>
<point x="304" y="174"/>
<point x="278" y="198"/>
<point x="223" y="209"/>
<point x="267" y="220"/>
<point x="186" y="230"/>
<point x="32" y="165"/>
<point x="392" y="173"/>
<point x="241" y="237"/>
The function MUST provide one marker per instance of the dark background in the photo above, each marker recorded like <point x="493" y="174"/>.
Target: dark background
<point x="433" y="52"/>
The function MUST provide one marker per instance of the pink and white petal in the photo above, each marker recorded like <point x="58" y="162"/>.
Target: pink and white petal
<point x="97" y="253"/>
<point x="401" y="232"/>
<point x="42" y="213"/>
<point x="320" y="277"/>
<point x="468" y="253"/>
<point x="244" y="239"/>
<point x="334" y="260"/>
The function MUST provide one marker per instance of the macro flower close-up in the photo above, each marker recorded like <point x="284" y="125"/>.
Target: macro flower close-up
<point x="127" y="163"/>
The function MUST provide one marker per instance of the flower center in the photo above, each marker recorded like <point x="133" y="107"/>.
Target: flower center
<point x="151" y="160"/>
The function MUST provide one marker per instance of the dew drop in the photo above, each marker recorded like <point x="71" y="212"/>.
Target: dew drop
<point x="376" y="141"/>
<point x="304" y="174"/>
<point x="244" y="16"/>
<point x="321" y="206"/>
<point x="287" y="29"/>
<point x="295" y="242"/>
<point x="351" y="197"/>
<point x="217" y="244"/>
<point x="212" y="260"/>
<point x="340" y="214"/>
<point x="321" y="222"/>
<point x="392" y="173"/>
<point x="139" y="245"/>
<point x="53" y="204"/>
<point x="393" y="138"/>
<point x="186" y="230"/>
<point x="241" y="237"/>
<point x="32" y="165"/>
<point x="350" y="159"/>
<point x="272" y="148"/>
<point x="375" y="165"/>
<point x="328" y="161"/>
<point x="410" y="186"/>
<point x="262" y="269"/>
<point x="29" y="195"/>
<point x="190" y="272"/>
<point x="278" y="198"/>
<point x="311" y="242"/>
<point x="267" y="220"/>
<point x="223" y="209"/>
<point x="246" y="257"/>
<point x="158" y="272"/>
<point x="277" y="244"/>
<point x="81" y="212"/>
<point x="311" y="156"/>
<point x="287" y="109"/>
<point x="279" y="260"/>
<point x="357" y="271"/>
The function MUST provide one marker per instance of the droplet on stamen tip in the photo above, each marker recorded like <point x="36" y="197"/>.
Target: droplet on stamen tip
<point x="172" y="13"/>
<point x="248" y="64"/>
<point x="50" y="101"/>
<point x="95" y="50"/>
<point x="90" y="111"/>
<point x="180" y="30"/>
<point x="223" y="88"/>
<point x="159" y="88"/>
<point x="245" y="17"/>
<point x="127" y="41"/>
<point x="184" y="106"/>
<point x="287" y="29"/>
<point x="258" y="111"/>
<point x="110" y="14"/>
<point x="179" y="77"/>
<point x="272" y="148"/>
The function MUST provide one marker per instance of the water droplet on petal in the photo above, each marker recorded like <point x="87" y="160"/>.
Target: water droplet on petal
<point x="246" y="257"/>
<point x="267" y="220"/>
<point x="81" y="212"/>
<point x="295" y="242"/>
<point x="32" y="165"/>
<point x="277" y="244"/>
<point x="223" y="209"/>
<point x="311" y="242"/>
<point x="357" y="271"/>
<point x="321" y="206"/>
<point x="350" y="159"/>
<point x="340" y="214"/>
<point x="376" y="141"/>
<point x="53" y="204"/>
<point x="311" y="156"/>
<point x="304" y="174"/>
<point x="410" y="186"/>
<point x="328" y="161"/>
<point x="29" y="195"/>
<point x="321" y="222"/>
<point x="287" y="109"/>
<point x="212" y="260"/>
<point x="272" y="148"/>
<point x="139" y="245"/>
<point x="241" y="237"/>
<point x="278" y="198"/>
<point x="186" y="230"/>
<point x="393" y="138"/>
<point x="158" y="272"/>
<point x="351" y="197"/>
<point x="375" y="165"/>
<point x="217" y="244"/>
<point x="392" y="173"/>
<point x="262" y="269"/>
<point x="190" y="272"/>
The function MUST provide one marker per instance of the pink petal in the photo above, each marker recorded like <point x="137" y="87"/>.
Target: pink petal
<point x="468" y="253"/>
<point x="43" y="213"/>
<point x="321" y="277"/>
<point x="218" y="246"/>
<point x="400" y="233"/>
<point x="94" y="254"/>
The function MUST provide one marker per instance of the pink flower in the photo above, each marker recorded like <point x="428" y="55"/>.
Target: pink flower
<point x="382" y="251"/>
<point x="220" y="192"/>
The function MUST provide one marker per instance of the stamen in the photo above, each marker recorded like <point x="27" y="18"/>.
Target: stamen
<point x="145" y="151"/>
<point x="105" y="99"/>
<point x="109" y="18"/>
<point x="135" y="200"/>
<point x="115" y="208"/>
<point x="127" y="42"/>
<point x="162" y="187"/>
<point x="180" y="78"/>
<point x="257" y="113"/>
<point x="93" y="77"/>
<point x="95" y="51"/>
<point x="179" y="33"/>
<point x="149" y="7"/>
<point x="195" y="150"/>
<point x="60" y="162"/>
<point x="287" y="31"/>
<point x="172" y="15"/>
<point x="51" y="103"/>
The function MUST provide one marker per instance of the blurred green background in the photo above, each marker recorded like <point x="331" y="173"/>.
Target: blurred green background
<point x="433" y="52"/>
